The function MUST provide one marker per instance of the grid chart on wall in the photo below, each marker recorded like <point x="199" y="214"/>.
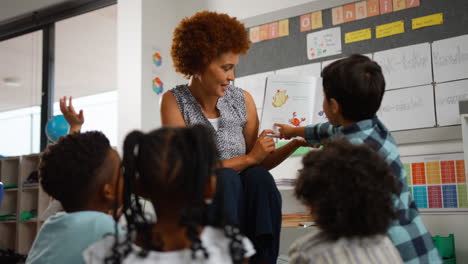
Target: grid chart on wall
<point x="437" y="182"/>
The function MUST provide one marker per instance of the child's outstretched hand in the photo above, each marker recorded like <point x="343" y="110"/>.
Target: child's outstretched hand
<point x="285" y="131"/>
<point x="75" y="120"/>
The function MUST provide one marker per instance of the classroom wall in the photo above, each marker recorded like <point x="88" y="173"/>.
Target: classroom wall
<point x="151" y="22"/>
<point x="255" y="8"/>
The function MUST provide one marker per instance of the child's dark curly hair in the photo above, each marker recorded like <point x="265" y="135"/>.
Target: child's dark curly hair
<point x="349" y="189"/>
<point x="68" y="170"/>
<point x="198" y="40"/>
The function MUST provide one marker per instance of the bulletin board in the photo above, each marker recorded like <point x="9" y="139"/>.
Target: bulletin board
<point x="426" y="68"/>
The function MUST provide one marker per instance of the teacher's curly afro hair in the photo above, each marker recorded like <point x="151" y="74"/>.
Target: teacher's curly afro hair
<point x="199" y="39"/>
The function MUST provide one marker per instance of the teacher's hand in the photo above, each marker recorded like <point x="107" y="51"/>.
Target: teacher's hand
<point x="263" y="146"/>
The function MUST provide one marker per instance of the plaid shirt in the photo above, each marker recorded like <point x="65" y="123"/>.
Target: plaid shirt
<point x="408" y="233"/>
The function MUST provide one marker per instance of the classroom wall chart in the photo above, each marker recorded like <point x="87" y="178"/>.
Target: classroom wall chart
<point x="437" y="182"/>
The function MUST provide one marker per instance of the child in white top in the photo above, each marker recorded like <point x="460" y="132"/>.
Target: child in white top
<point x="174" y="169"/>
<point x="348" y="189"/>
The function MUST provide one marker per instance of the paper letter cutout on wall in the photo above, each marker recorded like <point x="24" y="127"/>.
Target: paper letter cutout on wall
<point x="264" y="32"/>
<point x="317" y="21"/>
<point x="273" y="30"/>
<point x="385" y="6"/>
<point x="349" y="13"/>
<point x="361" y="10"/>
<point x="254" y="34"/>
<point x="283" y="27"/>
<point x="412" y="3"/>
<point x="373" y="8"/>
<point x="305" y="23"/>
<point x="399" y="5"/>
<point x="337" y="15"/>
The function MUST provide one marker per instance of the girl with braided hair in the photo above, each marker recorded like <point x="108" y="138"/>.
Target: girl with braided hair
<point x="174" y="169"/>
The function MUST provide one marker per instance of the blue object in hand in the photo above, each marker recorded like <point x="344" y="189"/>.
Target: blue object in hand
<point x="56" y="127"/>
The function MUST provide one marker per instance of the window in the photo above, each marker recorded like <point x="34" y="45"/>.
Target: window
<point x="20" y="94"/>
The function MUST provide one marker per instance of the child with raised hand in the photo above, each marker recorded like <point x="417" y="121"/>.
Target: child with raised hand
<point x="84" y="174"/>
<point x="174" y="169"/>
<point x="348" y="189"/>
<point x="353" y="90"/>
<point x="75" y="120"/>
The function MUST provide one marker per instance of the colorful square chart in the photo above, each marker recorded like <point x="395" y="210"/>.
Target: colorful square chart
<point x="433" y="172"/>
<point x="462" y="196"/>
<point x="420" y="196"/>
<point x="434" y="196"/>
<point x="447" y="168"/>
<point x="450" y="196"/>
<point x="419" y="173"/>
<point x="460" y="165"/>
<point x="408" y="173"/>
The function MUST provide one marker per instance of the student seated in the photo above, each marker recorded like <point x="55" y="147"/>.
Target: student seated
<point x="174" y="169"/>
<point x="84" y="174"/>
<point x="348" y="189"/>
<point x="353" y="90"/>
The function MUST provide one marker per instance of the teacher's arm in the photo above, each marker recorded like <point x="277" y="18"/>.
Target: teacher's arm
<point x="170" y="112"/>
<point x="275" y="157"/>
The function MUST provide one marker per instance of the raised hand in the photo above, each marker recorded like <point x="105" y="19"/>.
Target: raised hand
<point x="73" y="118"/>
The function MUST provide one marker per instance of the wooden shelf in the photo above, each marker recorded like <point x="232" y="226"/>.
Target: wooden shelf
<point x="36" y="187"/>
<point x="17" y="235"/>
<point x="8" y="222"/>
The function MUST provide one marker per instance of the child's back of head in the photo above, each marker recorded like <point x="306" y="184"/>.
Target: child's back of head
<point x="174" y="169"/>
<point x="357" y="84"/>
<point x="74" y="169"/>
<point x="82" y="172"/>
<point x="349" y="189"/>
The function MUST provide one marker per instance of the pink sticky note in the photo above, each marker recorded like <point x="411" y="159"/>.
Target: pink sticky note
<point x="361" y="10"/>
<point x="386" y="6"/>
<point x="273" y="30"/>
<point x="254" y="34"/>
<point x="337" y="15"/>
<point x="373" y="8"/>
<point x="306" y="23"/>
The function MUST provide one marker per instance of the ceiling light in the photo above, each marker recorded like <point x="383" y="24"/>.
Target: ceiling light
<point x="12" y="82"/>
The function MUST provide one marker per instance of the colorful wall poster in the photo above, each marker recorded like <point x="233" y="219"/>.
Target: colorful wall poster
<point x="324" y="43"/>
<point x="437" y="182"/>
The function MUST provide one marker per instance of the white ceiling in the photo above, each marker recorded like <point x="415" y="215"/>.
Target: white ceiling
<point x="85" y="60"/>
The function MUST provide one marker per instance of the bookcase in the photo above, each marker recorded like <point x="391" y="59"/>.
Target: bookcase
<point x="20" y="198"/>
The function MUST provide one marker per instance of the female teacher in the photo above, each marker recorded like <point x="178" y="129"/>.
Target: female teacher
<point x="206" y="49"/>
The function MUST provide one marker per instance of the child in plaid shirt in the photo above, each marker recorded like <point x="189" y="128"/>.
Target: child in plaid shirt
<point x="353" y="89"/>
